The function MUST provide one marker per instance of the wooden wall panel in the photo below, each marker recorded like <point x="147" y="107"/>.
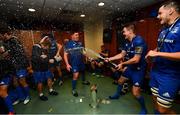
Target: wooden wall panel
<point x="112" y="46"/>
<point x="149" y="30"/>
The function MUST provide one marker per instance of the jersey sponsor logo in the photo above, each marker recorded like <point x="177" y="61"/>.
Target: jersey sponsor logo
<point x="166" y="40"/>
<point x="138" y="49"/>
<point x="175" y="30"/>
<point x="166" y="94"/>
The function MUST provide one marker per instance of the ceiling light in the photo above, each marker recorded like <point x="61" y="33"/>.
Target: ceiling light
<point x="31" y="10"/>
<point x="82" y="15"/>
<point x="101" y="4"/>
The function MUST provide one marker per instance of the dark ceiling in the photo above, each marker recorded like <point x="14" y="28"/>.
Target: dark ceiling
<point x="66" y="11"/>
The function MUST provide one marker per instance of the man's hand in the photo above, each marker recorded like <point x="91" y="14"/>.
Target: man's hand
<point x="51" y="60"/>
<point x="68" y="67"/>
<point x="107" y="59"/>
<point x="151" y="53"/>
<point x="43" y="56"/>
<point x="120" y="67"/>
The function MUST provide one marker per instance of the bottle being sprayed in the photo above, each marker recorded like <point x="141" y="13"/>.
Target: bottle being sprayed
<point x="94" y="103"/>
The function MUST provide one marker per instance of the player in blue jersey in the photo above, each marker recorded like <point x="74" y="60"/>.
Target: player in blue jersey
<point x="135" y="67"/>
<point x="165" y="74"/>
<point x="73" y="58"/>
<point x="40" y="66"/>
<point x="55" y="58"/>
<point x="20" y="62"/>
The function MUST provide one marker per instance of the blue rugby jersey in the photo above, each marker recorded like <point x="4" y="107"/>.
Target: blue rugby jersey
<point x="74" y="50"/>
<point x="136" y="46"/>
<point x="169" y="41"/>
<point x="53" y="49"/>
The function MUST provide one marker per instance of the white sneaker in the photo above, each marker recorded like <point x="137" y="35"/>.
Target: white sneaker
<point x="97" y="75"/>
<point x="93" y="74"/>
<point x="15" y="102"/>
<point x="60" y="83"/>
<point x="26" y="100"/>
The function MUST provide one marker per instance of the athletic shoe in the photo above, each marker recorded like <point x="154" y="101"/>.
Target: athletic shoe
<point x="93" y="74"/>
<point x="43" y="98"/>
<point x="86" y="83"/>
<point x="53" y="93"/>
<point x="97" y="75"/>
<point x="60" y="83"/>
<point x="15" y="102"/>
<point x="26" y="100"/>
<point x="75" y="94"/>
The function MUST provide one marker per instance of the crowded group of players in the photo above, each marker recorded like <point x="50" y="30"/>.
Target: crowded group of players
<point x="45" y="59"/>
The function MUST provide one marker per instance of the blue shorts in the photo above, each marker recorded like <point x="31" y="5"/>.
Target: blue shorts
<point x="13" y="95"/>
<point x="5" y="81"/>
<point x="56" y="63"/>
<point x="21" y="73"/>
<point x="137" y="76"/>
<point x="164" y="87"/>
<point x="78" y="68"/>
<point x="40" y="77"/>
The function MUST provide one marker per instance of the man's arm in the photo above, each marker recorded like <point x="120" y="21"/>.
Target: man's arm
<point x="68" y="66"/>
<point x="171" y="56"/>
<point x="59" y="47"/>
<point x="104" y="54"/>
<point x="133" y="60"/>
<point x="118" y="56"/>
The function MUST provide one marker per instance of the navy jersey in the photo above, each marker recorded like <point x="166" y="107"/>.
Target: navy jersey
<point x="53" y="49"/>
<point x="38" y="63"/>
<point x="74" y="50"/>
<point x="136" y="46"/>
<point x="17" y="53"/>
<point x="169" y="41"/>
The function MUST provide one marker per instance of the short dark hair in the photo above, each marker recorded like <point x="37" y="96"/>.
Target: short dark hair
<point x="172" y="3"/>
<point x="130" y="26"/>
<point x="72" y="32"/>
<point x="5" y="30"/>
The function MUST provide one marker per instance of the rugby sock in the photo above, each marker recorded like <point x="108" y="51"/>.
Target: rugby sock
<point x="118" y="91"/>
<point x="119" y="88"/>
<point x="8" y="103"/>
<point x="19" y="90"/>
<point x="60" y="78"/>
<point x="116" y="75"/>
<point x="140" y="99"/>
<point x="74" y="84"/>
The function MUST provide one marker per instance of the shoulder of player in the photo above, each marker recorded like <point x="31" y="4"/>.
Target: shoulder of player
<point x="68" y="44"/>
<point x="176" y="28"/>
<point x="36" y="46"/>
<point x="138" y="39"/>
